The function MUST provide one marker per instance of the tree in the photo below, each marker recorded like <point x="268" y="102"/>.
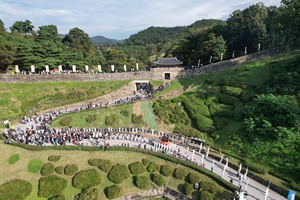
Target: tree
<point x="79" y="42"/>
<point x="22" y="27"/>
<point x="220" y="48"/>
<point x="7" y="52"/>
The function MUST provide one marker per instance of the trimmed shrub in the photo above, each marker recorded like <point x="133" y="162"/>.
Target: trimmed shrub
<point x="70" y="170"/>
<point x="47" y="169"/>
<point x="88" y="193"/>
<point x="51" y="186"/>
<point x="146" y="161"/>
<point x="118" y="173"/>
<point x="86" y="178"/>
<point x="15" y="189"/>
<point x="166" y="170"/>
<point x="142" y="182"/>
<point x="13" y="159"/>
<point x="59" y="169"/>
<point x="91" y="118"/>
<point x="233" y="91"/>
<point x="59" y="197"/>
<point x="227" y="99"/>
<point x="187" y="188"/>
<point x="153" y="167"/>
<point x="194" y="178"/>
<point x="35" y="165"/>
<point x="137" y="119"/>
<point x="205" y="195"/>
<point x="221" y="110"/>
<point x="211" y="187"/>
<point x="158" y="179"/>
<point x="54" y="158"/>
<point x="124" y="112"/>
<point x="136" y="168"/>
<point x="180" y="173"/>
<point x="94" y="162"/>
<point x="220" y="122"/>
<point x="105" y="165"/>
<point x="110" y="120"/>
<point x="113" y="192"/>
<point x="66" y="121"/>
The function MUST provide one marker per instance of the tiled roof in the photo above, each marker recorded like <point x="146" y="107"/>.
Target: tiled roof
<point x="167" y="61"/>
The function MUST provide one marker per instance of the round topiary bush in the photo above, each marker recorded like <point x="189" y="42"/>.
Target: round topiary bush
<point x="66" y="121"/>
<point x="54" y="158"/>
<point x="194" y="178"/>
<point x="146" y="161"/>
<point x="118" y="173"/>
<point x="124" y="112"/>
<point x="158" y="179"/>
<point x="59" y="169"/>
<point x="166" y="170"/>
<point x="51" y="186"/>
<point x="105" y="165"/>
<point x="180" y="173"/>
<point x="70" y="170"/>
<point x="142" y="182"/>
<point x="153" y="167"/>
<point x="113" y="192"/>
<point x="86" y="178"/>
<point x="136" y="168"/>
<point x="211" y="187"/>
<point x="91" y="118"/>
<point x="88" y="193"/>
<point x="205" y="195"/>
<point x="94" y="161"/>
<point x="47" y="169"/>
<point x="15" y="189"/>
<point x="187" y="188"/>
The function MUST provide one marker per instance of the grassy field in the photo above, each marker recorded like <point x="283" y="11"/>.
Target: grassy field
<point x="19" y="170"/>
<point x="148" y="115"/>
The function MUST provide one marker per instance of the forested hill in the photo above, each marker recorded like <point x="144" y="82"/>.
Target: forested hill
<point x="103" y="40"/>
<point x="155" y="35"/>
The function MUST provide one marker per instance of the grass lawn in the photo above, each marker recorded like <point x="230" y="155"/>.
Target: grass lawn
<point x="148" y="115"/>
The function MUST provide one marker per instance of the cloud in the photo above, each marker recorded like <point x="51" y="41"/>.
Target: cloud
<point x="118" y="18"/>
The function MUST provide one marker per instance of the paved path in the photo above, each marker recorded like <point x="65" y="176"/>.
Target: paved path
<point x="256" y="191"/>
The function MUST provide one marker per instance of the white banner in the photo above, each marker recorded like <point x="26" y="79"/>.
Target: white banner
<point x="125" y="68"/>
<point x="99" y="68"/>
<point x="112" y="68"/>
<point x="47" y="68"/>
<point x="137" y="66"/>
<point x="74" y="68"/>
<point x="17" y="69"/>
<point x="32" y="68"/>
<point x="86" y="68"/>
<point x="59" y="68"/>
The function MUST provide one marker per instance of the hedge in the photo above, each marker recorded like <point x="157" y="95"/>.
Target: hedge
<point x="153" y="167"/>
<point x="113" y="192"/>
<point x="70" y="170"/>
<point x="54" y="158"/>
<point x="86" y="178"/>
<point x="234" y="91"/>
<point x="166" y="170"/>
<point x="118" y="173"/>
<point x="136" y="168"/>
<point x="47" y="169"/>
<point x="211" y="187"/>
<point x="194" y="178"/>
<point x="15" y="189"/>
<point x="146" y="161"/>
<point x="88" y="193"/>
<point x="158" y="179"/>
<point x="142" y="182"/>
<point x="105" y="165"/>
<point x="51" y="186"/>
<point x="205" y="195"/>
<point x="59" y="169"/>
<point x="180" y="173"/>
<point x="187" y="188"/>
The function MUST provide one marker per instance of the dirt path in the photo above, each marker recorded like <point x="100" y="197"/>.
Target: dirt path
<point x="136" y="109"/>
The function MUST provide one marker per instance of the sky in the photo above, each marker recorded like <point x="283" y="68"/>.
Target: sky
<point x="118" y="19"/>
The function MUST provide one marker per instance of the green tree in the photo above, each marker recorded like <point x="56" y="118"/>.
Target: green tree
<point x="220" y="48"/>
<point x="7" y="52"/>
<point x="22" y="27"/>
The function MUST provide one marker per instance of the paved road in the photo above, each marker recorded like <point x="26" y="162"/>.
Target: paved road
<point x="255" y="190"/>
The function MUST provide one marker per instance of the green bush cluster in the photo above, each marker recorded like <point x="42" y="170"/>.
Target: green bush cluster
<point x="137" y="119"/>
<point x="54" y="158"/>
<point x="136" y="168"/>
<point x="105" y="165"/>
<point x="227" y="99"/>
<point x="232" y="91"/>
<point x="86" y="178"/>
<point x="146" y="161"/>
<point x="70" y="169"/>
<point x="15" y="189"/>
<point x="13" y="159"/>
<point x="124" y="112"/>
<point x="91" y="118"/>
<point x="114" y="192"/>
<point x="118" y="173"/>
<point x="190" y="132"/>
<point x="205" y="195"/>
<point x="194" y="178"/>
<point x="88" y="193"/>
<point x="158" y="179"/>
<point x="110" y="120"/>
<point x="47" y="169"/>
<point x="66" y="121"/>
<point x="51" y="186"/>
<point x="94" y="161"/>
<point x="153" y="167"/>
<point x="142" y="182"/>
<point x="59" y="197"/>
<point x="211" y="187"/>
<point x="220" y="122"/>
<point x="187" y="189"/>
<point x="59" y="169"/>
<point x="166" y="170"/>
<point x="180" y="173"/>
<point x="221" y="110"/>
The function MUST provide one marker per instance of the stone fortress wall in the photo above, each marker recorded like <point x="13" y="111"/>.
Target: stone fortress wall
<point x="153" y="74"/>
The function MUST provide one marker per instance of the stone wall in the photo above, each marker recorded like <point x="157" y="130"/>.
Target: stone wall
<point x="154" y="74"/>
